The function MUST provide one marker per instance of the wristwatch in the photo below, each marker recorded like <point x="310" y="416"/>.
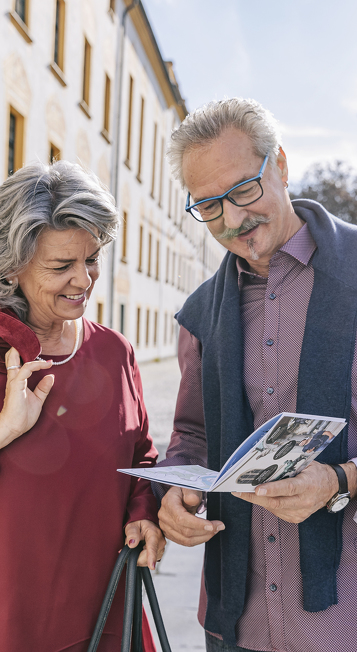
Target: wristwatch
<point x="342" y="498"/>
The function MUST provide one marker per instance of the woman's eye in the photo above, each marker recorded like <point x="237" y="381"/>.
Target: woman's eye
<point x="61" y="269"/>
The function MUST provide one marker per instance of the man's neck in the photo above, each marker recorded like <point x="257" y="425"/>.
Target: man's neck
<point x="261" y="265"/>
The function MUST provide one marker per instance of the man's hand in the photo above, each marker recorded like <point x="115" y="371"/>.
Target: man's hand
<point x="178" y="521"/>
<point x="146" y="530"/>
<point x="295" y="499"/>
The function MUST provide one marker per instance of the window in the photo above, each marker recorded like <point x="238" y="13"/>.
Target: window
<point x="21" y="9"/>
<point x="141" y="233"/>
<point x="156" y="317"/>
<point x="124" y="237"/>
<point x="100" y="311"/>
<point x="147" y="337"/>
<point x="141" y="138"/>
<point x="161" y="170"/>
<point x="179" y="274"/>
<point x="59" y="34"/>
<point x="173" y="268"/>
<point x="138" y="318"/>
<point x="20" y="18"/>
<point x="84" y="104"/>
<point x="122" y="318"/>
<point x="157" y="260"/>
<point x="165" y="328"/>
<point x="55" y="153"/>
<point x="130" y="110"/>
<point x="170" y="198"/>
<point x="149" y="254"/>
<point x="176" y="206"/>
<point x="154" y="161"/>
<point x="167" y="264"/>
<point x="106" y="121"/>
<point x="16" y="141"/>
<point x="172" y="329"/>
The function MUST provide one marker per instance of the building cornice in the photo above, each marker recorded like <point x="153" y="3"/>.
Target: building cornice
<point x="170" y="91"/>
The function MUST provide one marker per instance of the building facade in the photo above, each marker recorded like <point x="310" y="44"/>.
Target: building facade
<point x="84" y="80"/>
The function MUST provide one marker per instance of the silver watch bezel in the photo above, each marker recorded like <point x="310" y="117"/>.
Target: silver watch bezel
<point x="335" y="500"/>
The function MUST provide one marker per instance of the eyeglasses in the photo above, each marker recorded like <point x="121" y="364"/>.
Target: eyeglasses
<point x="243" y="194"/>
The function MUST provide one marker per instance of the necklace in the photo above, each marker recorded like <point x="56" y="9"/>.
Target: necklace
<point x="77" y="330"/>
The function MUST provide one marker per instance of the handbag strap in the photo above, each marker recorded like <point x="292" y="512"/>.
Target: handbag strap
<point x="132" y="621"/>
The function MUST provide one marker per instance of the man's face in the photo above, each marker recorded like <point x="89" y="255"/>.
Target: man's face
<point x="212" y="169"/>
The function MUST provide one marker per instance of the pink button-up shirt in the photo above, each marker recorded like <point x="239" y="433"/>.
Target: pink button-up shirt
<point x="274" y="308"/>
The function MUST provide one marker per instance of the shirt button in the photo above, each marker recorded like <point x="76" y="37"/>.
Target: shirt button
<point x="271" y="538"/>
<point x="273" y="587"/>
<point x="270" y="342"/>
<point x="272" y="296"/>
<point x="270" y="390"/>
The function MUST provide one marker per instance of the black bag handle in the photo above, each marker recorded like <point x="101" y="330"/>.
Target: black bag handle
<point x="132" y="622"/>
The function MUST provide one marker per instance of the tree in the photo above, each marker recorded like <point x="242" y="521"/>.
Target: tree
<point x="334" y="185"/>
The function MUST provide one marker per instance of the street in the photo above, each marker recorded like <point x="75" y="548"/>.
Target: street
<point x="178" y="576"/>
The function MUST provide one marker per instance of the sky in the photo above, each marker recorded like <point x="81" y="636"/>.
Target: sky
<point x="297" y="57"/>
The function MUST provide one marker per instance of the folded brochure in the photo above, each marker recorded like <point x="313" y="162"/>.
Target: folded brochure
<point x="280" y="448"/>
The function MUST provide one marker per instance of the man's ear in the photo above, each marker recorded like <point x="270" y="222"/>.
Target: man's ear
<point x="283" y="165"/>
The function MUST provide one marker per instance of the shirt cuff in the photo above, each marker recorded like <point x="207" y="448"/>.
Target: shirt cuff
<point x="354" y="460"/>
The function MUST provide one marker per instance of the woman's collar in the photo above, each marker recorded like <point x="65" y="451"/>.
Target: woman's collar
<point x="13" y="332"/>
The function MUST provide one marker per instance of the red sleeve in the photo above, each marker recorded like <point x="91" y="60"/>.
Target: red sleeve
<point x="142" y="502"/>
<point x="188" y="441"/>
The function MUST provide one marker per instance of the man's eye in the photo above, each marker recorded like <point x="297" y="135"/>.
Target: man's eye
<point x="208" y="208"/>
<point x="92" y="261"/>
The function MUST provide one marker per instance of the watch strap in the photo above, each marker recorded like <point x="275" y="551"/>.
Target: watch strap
<point x="342" y="478"/>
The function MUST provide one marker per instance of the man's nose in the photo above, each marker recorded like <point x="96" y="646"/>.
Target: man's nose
<point x="233" y="216"/>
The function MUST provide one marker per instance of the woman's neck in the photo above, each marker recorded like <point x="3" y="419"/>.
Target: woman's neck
<point x="57" y="338"/>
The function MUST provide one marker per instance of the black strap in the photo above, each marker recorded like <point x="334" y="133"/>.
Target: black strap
<point x="342" y="478"/>
<point x="132" y="621"/>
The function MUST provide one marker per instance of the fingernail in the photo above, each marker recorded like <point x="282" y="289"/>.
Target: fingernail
<point x="131" y="542"/>
<point x="261" y="491"/>
<point x="221" y="527"/>
<point x="209" y="528"/>
<point x="154" y="565"/>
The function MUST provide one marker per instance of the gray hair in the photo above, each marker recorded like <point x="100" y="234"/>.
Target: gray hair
<point x="59" y="196"/>
<point x="208" y="122"/>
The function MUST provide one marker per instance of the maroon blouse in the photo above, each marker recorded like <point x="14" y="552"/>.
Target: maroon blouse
<point x="63" y="504"/>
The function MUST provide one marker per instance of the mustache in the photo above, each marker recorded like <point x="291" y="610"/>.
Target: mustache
<point x="247" y="224"/>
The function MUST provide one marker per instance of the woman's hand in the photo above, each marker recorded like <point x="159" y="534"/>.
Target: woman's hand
<point x="22" y="407"/>
<point x="154" y="541"/>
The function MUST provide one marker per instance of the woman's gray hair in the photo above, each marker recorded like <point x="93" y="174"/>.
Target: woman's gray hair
<point x="208" y="122"/>
<point x="59" y="196"/>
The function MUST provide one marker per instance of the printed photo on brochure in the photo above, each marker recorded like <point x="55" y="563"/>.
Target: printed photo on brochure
<point x="280" y="448"/>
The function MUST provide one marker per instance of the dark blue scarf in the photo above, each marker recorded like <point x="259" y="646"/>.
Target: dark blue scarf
<point x="212" y="314"/>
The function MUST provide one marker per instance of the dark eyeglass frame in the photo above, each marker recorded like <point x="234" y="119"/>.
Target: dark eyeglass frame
<point x="220" y="198"/>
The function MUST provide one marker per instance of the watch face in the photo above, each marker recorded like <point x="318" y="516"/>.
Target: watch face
<point x="340" y="504"/>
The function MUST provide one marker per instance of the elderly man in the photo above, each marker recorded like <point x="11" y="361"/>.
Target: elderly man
<point x="280" y="566"/>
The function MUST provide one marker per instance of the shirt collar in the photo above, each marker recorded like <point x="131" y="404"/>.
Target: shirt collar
<point x="301" y="246"/>
<point x="13" y="332"/>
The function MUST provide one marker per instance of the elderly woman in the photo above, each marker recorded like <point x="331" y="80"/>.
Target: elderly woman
<point x="72" y="414"/>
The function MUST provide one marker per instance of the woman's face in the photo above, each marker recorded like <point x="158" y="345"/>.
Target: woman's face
<point x="60" y="278"/>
